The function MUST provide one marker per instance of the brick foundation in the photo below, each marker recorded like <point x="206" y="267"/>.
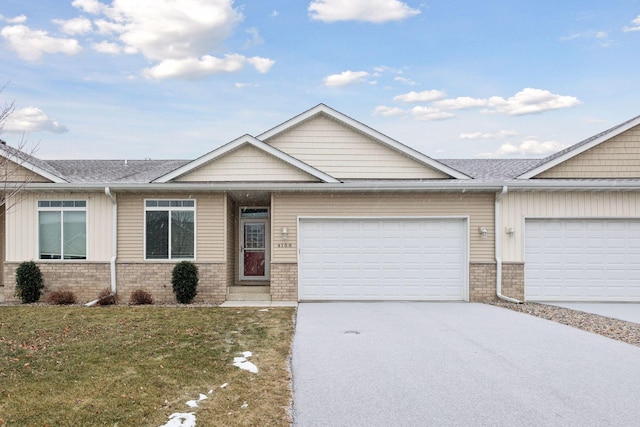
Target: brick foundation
<point x="482" y="281"/>
<point x="87" y="280"/>
<point x="513" y="280"/>
<point x="284" y="282"/>
<point x="84" y="279"/>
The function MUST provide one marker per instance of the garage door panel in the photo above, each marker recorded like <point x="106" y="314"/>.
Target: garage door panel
<point x="582" y="259"/>
<point x="416" y="259"/>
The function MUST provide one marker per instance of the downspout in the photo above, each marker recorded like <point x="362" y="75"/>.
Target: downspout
<point x="114" y="237"/>
<point x="498" y="220"/>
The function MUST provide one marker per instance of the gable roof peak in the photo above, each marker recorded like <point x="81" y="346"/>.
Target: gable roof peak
<point x="364" y="129"/>
<point x="582" y="146"/>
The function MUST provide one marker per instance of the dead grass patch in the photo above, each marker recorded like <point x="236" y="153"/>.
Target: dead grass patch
<point x="135" y="366"/>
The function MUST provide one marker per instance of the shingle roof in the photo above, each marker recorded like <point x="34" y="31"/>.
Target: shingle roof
<point x="114" y="171"/>
<point x="495" y="169"/>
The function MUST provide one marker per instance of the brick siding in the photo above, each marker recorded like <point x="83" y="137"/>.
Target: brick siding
<point x="513" y="280"/>
<point x="87" y="280"/>
<point x="284" y="282"/>
<point x="482" y="281"/>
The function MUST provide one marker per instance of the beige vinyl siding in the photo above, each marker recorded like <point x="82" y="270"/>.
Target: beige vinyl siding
<point x="22" y="225"/>
<point x="288" y="206"/>
<point x="247" y="163"/>
<point x="344" y="153"/>
<point x="210" y="224"/>
<point x="13" y="172"/>
<point x="516" y="206"/>
<point x="619" y="157"/>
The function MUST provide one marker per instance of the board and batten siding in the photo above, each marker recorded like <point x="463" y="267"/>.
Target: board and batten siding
<point x="210" y="224"/>
<point x="287" y="207"/>
<point x="345" y="153"/>
<point x="22" y="225"/>
<point x="618" y="157"/>
<point x="247" y="163"/>
<point x="517" y="206"/>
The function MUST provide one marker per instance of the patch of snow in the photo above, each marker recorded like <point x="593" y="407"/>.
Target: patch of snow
<point x="243" y="363"/>
<point x="181" y="419"/>
<point x="244" y="405"/>
<point x="203" y="396"/>
<point x="264" y="309"/>
<point x="224" y="385"/>
<point x="210" y="391"/>
<point x="192" y="403"/>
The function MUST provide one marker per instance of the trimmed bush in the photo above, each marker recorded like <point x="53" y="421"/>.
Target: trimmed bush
<point x="105" y="297"/>
<point x="29" y="282"/>
<point x="61" y="298"/>
<point x="140" y="297"/>
<point x="184" y="279"/>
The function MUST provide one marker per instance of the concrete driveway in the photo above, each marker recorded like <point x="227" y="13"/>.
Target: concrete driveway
<point x="417" y="364"/>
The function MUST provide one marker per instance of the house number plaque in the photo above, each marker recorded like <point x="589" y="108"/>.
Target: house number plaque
<point x="284" y="245"/>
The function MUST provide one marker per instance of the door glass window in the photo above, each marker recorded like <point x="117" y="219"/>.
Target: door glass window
<point x="254" y="236"/>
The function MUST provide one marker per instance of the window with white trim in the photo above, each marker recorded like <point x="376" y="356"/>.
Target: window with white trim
<point x="62" y="229"/>
<point x="170" y="229"/>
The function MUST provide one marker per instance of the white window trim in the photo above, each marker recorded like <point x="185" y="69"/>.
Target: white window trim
<point x="169" y="209"/>
<point x="84" y="209"/>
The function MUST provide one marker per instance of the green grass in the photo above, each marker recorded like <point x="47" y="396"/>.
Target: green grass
<point x="134" y="366"/>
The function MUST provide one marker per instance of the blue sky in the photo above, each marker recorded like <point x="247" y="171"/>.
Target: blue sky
<point x="177" y="79"/>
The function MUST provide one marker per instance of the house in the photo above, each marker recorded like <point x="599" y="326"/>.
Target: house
<point x="323" y="207"/>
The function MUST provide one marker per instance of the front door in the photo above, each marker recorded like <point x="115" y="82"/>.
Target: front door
<point x="254" y="245"/>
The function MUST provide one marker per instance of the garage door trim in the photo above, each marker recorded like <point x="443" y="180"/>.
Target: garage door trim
<point x="465" y="241"/>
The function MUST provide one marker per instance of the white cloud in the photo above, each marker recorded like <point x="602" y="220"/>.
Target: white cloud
<point x="376" y="11"/>
<point x="20" y="19"/>
<point x="528" y="148"/>
<point x="385" y="111"/>
<point x="530" y="100"/>
<point x="405" y="81"/>
<point x="32" y="44"/>
<point x="429" y="113"/>
<point x="107" y="47"/>
<point x="601" y="37"/>
<point x="32" y="119"/>
<point x="635" y="27"/>
<point x="181" y="38"/>
<point x="345" y="78"/>
<point x="80" y="25"/>
<point x="424" y="96"/>
<point x="488" y="135"/>
<point x="527" y="101"/>
<point x="194" y="68"/>
<point x="93" y="7"/>
<point x="460" y="103"/>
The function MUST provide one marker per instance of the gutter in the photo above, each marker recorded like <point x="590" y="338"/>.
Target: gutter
<point x="497" y="213"/>
<point x="114" y="237"/>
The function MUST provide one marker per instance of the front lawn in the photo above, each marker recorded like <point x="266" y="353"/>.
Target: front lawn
<point x="136" y="366"/>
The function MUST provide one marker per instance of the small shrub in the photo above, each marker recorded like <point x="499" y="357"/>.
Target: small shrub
<point x="28" y="282"/>
<point x="107" y="298"/>
<point x="184" y="279"/>
<point x="61" y="298"/>
<point x="140" y="297"/>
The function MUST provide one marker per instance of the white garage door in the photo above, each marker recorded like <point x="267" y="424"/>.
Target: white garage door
<point x="383" y="259"/>
<point x="582" y="260"/>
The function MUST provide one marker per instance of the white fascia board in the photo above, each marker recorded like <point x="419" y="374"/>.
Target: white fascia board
<point x="581" y="149"/>
<point x="33" y="168"/>
<point x="233" y="145"/>
<point x="410" y="152"/>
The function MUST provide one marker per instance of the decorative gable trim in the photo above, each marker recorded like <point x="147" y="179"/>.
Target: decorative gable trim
<point x="233" y="145"/>
<point x="22" y="159"/>
<point x="360" y="127"/>
<point x="568" y="153"/>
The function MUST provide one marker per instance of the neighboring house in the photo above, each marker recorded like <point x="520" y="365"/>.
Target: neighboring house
<point x="323" y="207"/>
